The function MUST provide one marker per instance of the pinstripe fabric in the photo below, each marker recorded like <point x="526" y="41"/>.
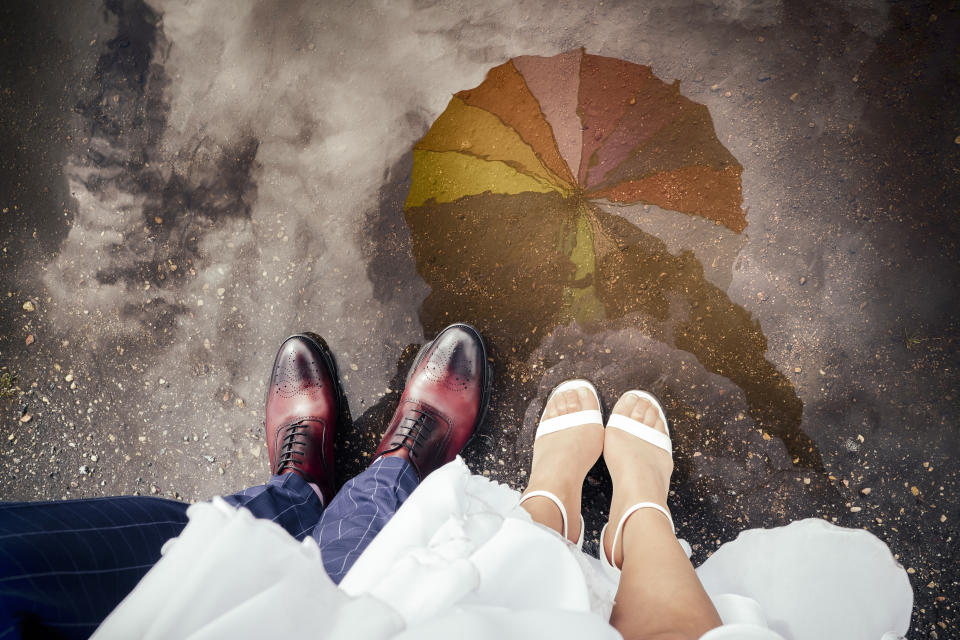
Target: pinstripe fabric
<point x="65" y="565"/>
<point x="358" y="512"/>
<point x="288" y="500"/>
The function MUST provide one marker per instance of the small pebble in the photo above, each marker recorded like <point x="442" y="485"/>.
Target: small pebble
<point x="29" y="340"/>
<point x="763" y="76"/>
<point x="915" y="491"/>
<point x="154" y="489"/>
<point x="855" y="509"/>
<point x="84" y="470"/>
<point x="68" y="377"/>
<point x="94" y="458"/>
<point x="793" y="98"/>
<point x="715" y="88"/>
<point x="803" y="280"/>
<point x="28" y="306"/>
<point x="866" y="491"/>
<point x="208" y="458"/>
<point x="25" y="418"/>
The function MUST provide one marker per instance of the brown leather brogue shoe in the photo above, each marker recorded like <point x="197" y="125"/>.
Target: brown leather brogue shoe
<point x="303" y="402"/>
<point x="445" y="400"/>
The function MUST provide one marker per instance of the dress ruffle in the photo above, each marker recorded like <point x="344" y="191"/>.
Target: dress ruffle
<point x="462" y="559"/>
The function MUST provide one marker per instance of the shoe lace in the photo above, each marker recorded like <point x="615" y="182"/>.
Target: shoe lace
<point x="292" y="448"/>
<point x="414" y="430"/>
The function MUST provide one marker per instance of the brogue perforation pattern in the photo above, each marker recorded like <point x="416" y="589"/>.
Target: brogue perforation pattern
<point x="288" y="381"/>
<point x="450" y="369"/>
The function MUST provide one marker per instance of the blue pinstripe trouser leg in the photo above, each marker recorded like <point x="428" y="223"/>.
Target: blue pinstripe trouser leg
<point x="65" y="565"/>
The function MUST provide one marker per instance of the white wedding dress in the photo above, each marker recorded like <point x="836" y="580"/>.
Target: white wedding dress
<point x="461" y="559"/>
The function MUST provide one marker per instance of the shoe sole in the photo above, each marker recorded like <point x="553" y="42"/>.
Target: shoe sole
<point x="487" y="372"/>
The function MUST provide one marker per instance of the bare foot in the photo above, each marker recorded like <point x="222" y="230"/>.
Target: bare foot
<point x="640" y="471"/>
<point x="561" y="461"/>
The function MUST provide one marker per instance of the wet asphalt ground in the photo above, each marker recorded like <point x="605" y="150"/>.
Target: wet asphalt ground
<point x="183" y="185"/>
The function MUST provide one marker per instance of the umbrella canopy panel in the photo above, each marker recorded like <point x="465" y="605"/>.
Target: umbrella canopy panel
<point x="589" y="127"/>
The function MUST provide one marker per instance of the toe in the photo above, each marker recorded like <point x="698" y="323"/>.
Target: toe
<point x="557" y="406"/>
<point x="640" y="409"/>
<point x="570" y="401"/>
<point x="648" y="414"/>
<point x="645" y="412"/>
<point x="626" y="404"/>
<point x="585" y="399"/>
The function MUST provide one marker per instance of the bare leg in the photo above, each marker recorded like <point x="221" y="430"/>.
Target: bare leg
<point x="660" y="596"/>
<point x="561" y="461"/>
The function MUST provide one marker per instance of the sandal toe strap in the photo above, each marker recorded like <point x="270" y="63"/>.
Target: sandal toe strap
<point x="568" y="421"/>
<point x="642" y="431"/>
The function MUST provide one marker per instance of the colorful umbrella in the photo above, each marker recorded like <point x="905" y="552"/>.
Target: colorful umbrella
<point x="508" y="229"/>
<point x="570" y="130"/>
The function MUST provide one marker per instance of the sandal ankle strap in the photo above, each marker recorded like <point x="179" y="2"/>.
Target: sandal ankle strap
<point x="563" y="512"/>
<point x="610" y="564"/>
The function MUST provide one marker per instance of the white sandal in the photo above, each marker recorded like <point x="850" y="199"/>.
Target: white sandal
<point x="559" y="423"/>
<point x="657" y="439"/>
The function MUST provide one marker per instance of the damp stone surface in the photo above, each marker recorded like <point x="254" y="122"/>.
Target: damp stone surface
<point x="184" y="184"/>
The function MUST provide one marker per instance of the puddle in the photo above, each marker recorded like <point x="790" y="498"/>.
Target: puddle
<point x="512" y="211"/>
